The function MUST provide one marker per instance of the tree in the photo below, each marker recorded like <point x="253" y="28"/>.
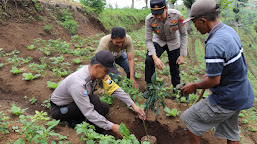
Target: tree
<point x="171" y="3"/>
<point x="146" y="4"/>
<point x="133" y="4"/>
<point x="97" y="5"/>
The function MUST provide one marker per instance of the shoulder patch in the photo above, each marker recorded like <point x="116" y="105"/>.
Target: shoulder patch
<point x="84" y="91"/>
<point x="181" y="19"/>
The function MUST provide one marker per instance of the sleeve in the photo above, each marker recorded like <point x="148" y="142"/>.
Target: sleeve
<point x="183" y="36"/>
<point x="130" y="44"/>
<point x="101" y="46"/>
<point x="214" y="60"/>
<point x="120" y="94"/>
<point x="149" y="36"/>
<point x="109" y="85"/>
<point x="81" y="98"/>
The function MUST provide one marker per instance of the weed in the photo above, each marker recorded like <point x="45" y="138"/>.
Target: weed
<point x="48" y="28"/>
<point x="4" y="123"/>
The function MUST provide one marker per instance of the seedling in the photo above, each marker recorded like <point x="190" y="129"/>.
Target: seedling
<point x="29" y="76"/>
<point x="107" y="99"/>
<point x="1" y="64"/>
<point x="174" y="112"/>
<point x="46" y="103"/>
<point x="77" y="61"/>
<point x="31" y="47"/>
<point x="17" y="110"/>
<point x="155" y="95"/>
<point x="127" y="137"/>
<point x="33" y="100"/>
<point x="53" y="85"/>
<point x="138" y="75"/>
<point x="15" y="70"/>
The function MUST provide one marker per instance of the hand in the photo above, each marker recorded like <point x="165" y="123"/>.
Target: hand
<point x="139" y="111"/>
<point x="189" y="88"/>
<point x="158" y="63"/>
<point x="180" y="60"/>
<point x="134" y="84"/>
<point x="115" y="129"/>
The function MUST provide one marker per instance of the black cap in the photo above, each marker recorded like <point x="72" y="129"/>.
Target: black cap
<point x="106" y="58"/>
<point x="157" y="6"/>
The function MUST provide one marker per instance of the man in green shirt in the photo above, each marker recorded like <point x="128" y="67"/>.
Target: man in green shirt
<point x="120" y="44"/>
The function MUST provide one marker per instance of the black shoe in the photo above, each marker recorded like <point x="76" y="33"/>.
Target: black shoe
<point x="72" y="124"/>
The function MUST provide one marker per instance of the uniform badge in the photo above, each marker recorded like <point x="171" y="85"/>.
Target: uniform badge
<point x="181" y="19"/>
<point x="173" y="21"/>
<point x="174" y="28"/>
<point x="157" y="31"/>
<point x="84" y="92"/>
<point x="154" y="24"/>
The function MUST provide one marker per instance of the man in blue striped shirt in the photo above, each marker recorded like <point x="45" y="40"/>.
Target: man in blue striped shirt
<point x="226" y="77"/>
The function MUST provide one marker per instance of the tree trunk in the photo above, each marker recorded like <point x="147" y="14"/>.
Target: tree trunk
<point x="189" y="29"/>
<point x="146" y="4"/>
<point x="133" y="3"/>
<point x="171" y="5"/>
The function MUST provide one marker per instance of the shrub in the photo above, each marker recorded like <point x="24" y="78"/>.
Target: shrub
<point x="97" y="5"/>
<point x="48" y="28"/>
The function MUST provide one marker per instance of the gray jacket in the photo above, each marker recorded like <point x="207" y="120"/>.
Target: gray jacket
<point x="166" y="32"/>
<point x="76" y="88"/>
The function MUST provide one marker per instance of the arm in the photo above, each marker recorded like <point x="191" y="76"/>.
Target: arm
<point x="120" y="94"/>
<point x="132" y="68"/>
<point x="206" y="82"/>
<point x="183" y="39"/>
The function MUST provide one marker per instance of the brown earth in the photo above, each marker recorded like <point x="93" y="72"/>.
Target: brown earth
<point x="17" y="31"/>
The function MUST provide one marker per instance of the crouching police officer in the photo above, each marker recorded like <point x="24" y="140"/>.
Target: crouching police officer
<point x="167" y="25"/>
<point x="73" y="100"/>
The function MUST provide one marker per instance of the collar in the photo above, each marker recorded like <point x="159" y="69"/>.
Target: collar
<point x="214" y="29"/>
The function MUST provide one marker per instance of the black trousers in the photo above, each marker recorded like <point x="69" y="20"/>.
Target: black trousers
<point x="172" y="56"/>
<point x="75" y="115"/>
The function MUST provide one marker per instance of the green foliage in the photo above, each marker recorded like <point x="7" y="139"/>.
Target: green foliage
<point x="127" y="18"/>
<point x="38" y="128"/>
<point x="31" y="47"/>
<point x="174" y="112"/>
<point x="126" y="85"/>
<point x="77" y="61"/>
<point x="48" y="28"/>
<point x="127" y="137"/>
<point x="30" y="76"/>
<point x="4" y="123"/>
<point x="188" y="3"/>
<point x="68" y="22"/>
<point x="46" y="103"/>
<point x="33" y="100"/>
<point x="107" y="99"/>
<point x="17" y="110"/>
<point x="96" y="5"/>
<point x="155" y="94"/>
<point x="53" y="85"/>
<point x="15" y="70"/>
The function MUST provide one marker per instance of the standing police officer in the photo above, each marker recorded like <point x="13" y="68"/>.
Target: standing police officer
<point x="167" y="25"/>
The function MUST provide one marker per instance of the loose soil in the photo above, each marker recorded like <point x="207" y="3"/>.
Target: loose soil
<point x="17" y="32"/>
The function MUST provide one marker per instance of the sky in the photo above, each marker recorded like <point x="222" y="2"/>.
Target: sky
<point x="139" y="4"/>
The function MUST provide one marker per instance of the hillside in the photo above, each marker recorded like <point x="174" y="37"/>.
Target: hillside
<point x="42" y="37"/>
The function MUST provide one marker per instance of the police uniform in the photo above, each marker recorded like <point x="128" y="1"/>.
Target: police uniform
<point x="73" y="99"/>
<point x="165" y="37"/>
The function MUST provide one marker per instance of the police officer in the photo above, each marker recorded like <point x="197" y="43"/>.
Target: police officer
<point x="74" y="100"/>
<point x="167" y="25"/>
